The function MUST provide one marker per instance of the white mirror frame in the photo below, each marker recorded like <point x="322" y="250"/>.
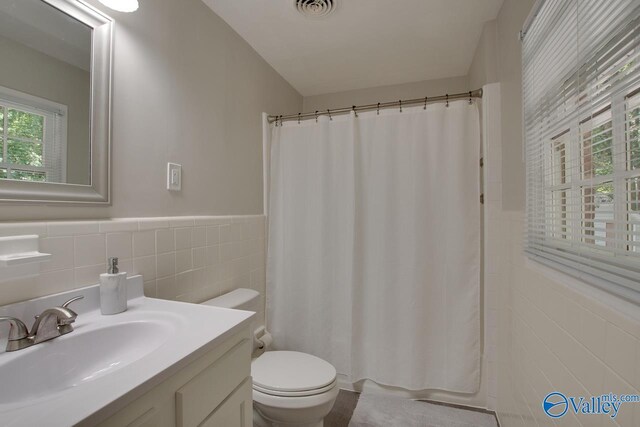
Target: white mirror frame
<point x="99" y="192"/>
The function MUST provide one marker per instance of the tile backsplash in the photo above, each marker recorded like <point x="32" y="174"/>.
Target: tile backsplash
<point x="180" y="258"/>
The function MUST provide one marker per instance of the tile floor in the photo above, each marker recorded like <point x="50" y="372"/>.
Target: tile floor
<point x="355" y="410"/>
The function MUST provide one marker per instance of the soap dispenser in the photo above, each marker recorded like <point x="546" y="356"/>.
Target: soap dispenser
<point x="113" y="289"/>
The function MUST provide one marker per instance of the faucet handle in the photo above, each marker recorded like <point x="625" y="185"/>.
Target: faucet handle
<point x="18" y="334"/>
<point x="71" y="315"/>
<point x="18" y="329"/>
<point x="76" y="298"/>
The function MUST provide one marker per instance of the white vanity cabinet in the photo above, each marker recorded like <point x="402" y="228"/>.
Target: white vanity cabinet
<point x="160" y="363"/>
<point x="213" y="390"/>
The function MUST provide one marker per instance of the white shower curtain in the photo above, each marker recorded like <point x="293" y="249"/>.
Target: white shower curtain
<point x="374" y="244"/>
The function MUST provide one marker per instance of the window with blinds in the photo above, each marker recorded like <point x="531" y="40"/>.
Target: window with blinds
<point x="581" y="101"/>
<point x="32" y="138"/>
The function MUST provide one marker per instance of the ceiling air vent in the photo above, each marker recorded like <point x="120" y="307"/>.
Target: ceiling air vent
<point x="315" y="8"/>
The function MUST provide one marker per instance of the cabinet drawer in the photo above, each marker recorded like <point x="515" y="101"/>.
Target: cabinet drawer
<point x="200" y="396"/>
<point x="235" y="411"/>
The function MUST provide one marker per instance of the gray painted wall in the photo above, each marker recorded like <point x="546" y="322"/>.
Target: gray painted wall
<point x="187" y="89"/>
<point x="484" y="67"/>
<point x="497" y="59"/>
<point x="510" y="20"/>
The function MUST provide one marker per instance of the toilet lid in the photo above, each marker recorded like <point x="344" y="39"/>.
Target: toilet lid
<point x="291" y="371"/>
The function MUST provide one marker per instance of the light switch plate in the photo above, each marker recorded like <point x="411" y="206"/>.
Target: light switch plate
<point x="174" y="177"/>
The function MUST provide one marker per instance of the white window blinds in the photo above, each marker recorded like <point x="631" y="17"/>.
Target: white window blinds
<point x="581" y="100"/>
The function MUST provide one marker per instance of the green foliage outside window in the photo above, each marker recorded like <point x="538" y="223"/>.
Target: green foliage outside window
<point x="24" y="153"/>
<point x="633" y="135"/>
<point x="602" y="158"/>
<point x="28" y="175"/>
<point x="22" y="142"/>
<point x="633" y="139"/>
<point x="25" y="125"/>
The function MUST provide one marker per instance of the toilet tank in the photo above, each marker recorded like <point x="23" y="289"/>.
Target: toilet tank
<point x="240" y="299"/>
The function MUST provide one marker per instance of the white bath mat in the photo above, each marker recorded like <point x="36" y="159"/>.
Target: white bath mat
<point x="386" y="411"/>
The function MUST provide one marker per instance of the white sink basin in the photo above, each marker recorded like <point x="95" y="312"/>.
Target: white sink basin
<point x="43" y="370"/>
<point x="107" y="362"/>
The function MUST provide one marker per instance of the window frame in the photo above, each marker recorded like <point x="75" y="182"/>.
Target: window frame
<point x="570" y="135"/>
<point x="631" y="173"/>
<point x="571" y="71"/>
<point x="574" y="179"/>
<point x="13" y="99"/>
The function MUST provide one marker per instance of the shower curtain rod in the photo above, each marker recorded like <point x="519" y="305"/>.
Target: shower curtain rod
<point x="442" y="98"/>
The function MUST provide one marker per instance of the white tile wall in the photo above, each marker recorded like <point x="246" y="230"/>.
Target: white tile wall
<point x="556" y="333"/>
<point x="547" y="332"/>
<point x="183" y="258"/>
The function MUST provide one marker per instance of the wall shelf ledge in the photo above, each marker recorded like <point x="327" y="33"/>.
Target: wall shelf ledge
<point x="20" y="256"/>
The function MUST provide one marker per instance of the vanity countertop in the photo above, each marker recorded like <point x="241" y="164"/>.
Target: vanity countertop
<point x="107" y="361"/>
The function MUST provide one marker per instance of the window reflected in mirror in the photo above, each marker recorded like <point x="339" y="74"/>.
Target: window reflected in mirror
<point x="45" y="94"/>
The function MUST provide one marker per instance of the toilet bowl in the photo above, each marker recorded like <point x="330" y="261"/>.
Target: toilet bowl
<point x="290" y="388"/>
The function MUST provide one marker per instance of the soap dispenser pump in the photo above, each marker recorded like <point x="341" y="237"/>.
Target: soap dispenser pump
<point x="113" y="289"/>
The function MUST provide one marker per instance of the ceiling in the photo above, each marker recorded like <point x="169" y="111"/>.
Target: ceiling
<point x="363" y="43"/>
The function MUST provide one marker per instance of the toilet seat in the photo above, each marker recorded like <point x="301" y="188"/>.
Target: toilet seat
<point x="292" y="374"/>
<point x="294" y="393"/>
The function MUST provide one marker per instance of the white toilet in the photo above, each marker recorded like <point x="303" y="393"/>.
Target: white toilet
<point x="289" y="388"/>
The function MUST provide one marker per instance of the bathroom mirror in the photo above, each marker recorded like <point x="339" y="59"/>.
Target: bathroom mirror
<point x="55" y="87"/>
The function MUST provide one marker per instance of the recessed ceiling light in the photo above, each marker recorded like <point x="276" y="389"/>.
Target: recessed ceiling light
<point x="121" y="5"/>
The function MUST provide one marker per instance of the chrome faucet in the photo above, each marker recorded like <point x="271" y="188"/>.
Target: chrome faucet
<point x="50" y="324"/>
<point x="18" y="334"/>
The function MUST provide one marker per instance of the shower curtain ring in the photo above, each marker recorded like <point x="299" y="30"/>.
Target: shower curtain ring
<point x="400" y="105"/>
<point x="378" y="110"/>
<point x="329" y="113"/>
<point x="276" y="121"/>
<point x="316" y="116"/>
<point x="354" y="110"/>
<point x="447" y="100"/>
<point x="425" y="103"/>
<point x="299" y="118"/>
<point x="470" y="101"/>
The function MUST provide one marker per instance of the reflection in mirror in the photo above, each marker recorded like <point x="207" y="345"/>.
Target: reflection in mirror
<point x="45" y="94"/>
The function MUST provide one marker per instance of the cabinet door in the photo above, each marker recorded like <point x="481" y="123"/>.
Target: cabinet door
<point x="235" y="411"/>
<point x="152" y="418"/>
<point x="205" y="392"/>
<point x="190" y="395"/>
<point x="144" y="413"/>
